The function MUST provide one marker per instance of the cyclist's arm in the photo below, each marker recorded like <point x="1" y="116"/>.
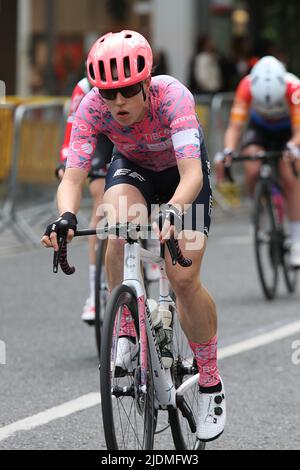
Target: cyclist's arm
<point x="239" y="115"/>
<point x="294" y="94"/>
<point x="70" y="190"/>
<point x="238" y="119"/>
<point x="190" y="185"/>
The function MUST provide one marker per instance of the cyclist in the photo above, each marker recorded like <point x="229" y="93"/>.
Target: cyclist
<point x="100" y="161"/>
<point x="159" y="152"/>
<point x="269" y="98"/>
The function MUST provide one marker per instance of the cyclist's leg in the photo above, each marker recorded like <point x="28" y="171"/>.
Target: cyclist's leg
<point x="198" y="316"/>
<point x="291" y="187"/>
<point x="253" y="141"/>
<point x="128" y="196"/>
<point x="120" y="203"/>
<point x="126" y="199"/>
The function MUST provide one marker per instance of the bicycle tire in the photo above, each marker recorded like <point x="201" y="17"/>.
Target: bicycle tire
<point x="100" y="292"/>
<point x="290" y="274"/>
<point x="183" y="437"/>
<point x="139" y="434"/>
<point x="263" y="208"/>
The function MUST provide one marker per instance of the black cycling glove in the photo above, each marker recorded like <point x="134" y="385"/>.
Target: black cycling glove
<point x="64" y="223"/>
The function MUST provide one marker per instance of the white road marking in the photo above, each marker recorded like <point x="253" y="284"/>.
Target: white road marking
<point x="93" y="399"/>
<point x="40" y="419"/>
<point x="261" y="340"/>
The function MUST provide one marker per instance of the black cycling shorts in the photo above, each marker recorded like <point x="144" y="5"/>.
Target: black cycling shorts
<point x="101" y="158"/>
<point x="268" y="140"/>
<point x="159" y="187"/>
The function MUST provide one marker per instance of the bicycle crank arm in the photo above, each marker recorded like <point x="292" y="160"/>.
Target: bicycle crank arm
<point x="123" y="392"/>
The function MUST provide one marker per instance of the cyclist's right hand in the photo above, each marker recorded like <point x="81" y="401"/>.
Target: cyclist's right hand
<point x="65" y="226"/>
<point x="222" y="161"/>
<point x="60" y="171"/>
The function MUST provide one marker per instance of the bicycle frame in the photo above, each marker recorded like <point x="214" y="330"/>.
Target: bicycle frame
<point x="164" y="387"/>
<point x="163" y="384"/>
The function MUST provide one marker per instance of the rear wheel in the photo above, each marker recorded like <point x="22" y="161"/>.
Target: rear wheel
<point x="266" y="241"/>
<point x="129" y="415"/>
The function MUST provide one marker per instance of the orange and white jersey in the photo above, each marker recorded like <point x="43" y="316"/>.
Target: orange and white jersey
<point x="282" y="114"/>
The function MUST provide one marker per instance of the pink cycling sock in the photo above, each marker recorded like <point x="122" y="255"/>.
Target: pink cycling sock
<point x="206" y="357"/>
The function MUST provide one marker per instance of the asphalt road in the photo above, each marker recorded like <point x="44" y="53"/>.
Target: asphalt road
<point x="51" y="356"/>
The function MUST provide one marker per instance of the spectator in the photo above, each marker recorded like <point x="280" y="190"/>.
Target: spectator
<point x="161" y="66"/>
<point x="205" y="73"/>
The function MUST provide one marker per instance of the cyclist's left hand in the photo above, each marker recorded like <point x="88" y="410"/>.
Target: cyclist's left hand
<point x="65" y="225"/>
<point x="291" y="152"/>
<point x="170" y="222"/>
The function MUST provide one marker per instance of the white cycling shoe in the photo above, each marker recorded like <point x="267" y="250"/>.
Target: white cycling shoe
<point x="212" y="415"/>
<point x="89" y="313"/>
<point x="295" y="255"/>
<point x="127" y="352"/>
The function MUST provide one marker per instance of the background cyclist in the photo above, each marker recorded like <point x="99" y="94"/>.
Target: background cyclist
<point x="269" y="99"/>
<point x="159" y="151"/>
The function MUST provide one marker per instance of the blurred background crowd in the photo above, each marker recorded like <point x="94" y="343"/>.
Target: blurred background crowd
<point x="208" y="44"/>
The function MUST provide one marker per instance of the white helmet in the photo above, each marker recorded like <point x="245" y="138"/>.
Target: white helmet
<point x="268" y="82"/>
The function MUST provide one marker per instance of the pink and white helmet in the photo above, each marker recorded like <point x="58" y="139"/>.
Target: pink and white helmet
<point x="268" y="83"/>
<point x="119" y="59"/>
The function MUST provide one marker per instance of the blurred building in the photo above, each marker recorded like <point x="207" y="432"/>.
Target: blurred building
<point x="44" y="42"/>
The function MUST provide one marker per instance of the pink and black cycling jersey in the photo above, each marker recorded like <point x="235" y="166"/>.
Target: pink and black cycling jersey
<point x="169" y="131"/>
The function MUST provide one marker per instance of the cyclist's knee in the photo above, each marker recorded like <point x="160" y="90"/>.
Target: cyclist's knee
<point x="124" y="203"/>
<point x="288" y="179"/>
<point x="184" y="284"/>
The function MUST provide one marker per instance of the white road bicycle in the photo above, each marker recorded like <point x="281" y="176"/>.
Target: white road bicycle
<point x="132" y="402"/>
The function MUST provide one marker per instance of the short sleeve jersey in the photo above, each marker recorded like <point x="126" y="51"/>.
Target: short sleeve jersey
<point x="168" y="132"/>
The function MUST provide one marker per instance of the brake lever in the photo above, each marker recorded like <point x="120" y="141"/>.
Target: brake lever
<point x="172" y="250"/>
<point x="61" y="240"/>
<point x="57" y="254"/>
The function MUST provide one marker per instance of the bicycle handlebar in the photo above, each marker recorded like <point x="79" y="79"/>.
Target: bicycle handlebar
<point x="264" y="157"/>
<point x="60" y="257"/>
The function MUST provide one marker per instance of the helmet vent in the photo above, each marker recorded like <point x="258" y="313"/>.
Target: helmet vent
<point x="114" y="70"/>
<point x="128" y="36"/>
<point x="102" y="71"/>
<point x="126" y="64"/>
<point x="92" y="72"/>
<point x="140" y="63"/>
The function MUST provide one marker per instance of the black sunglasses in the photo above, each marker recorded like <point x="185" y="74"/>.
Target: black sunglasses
<point x="126" y="91"/>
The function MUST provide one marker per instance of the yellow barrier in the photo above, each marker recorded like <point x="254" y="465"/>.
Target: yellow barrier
<point x="39" y="146"/>
<point x="39" y="151"/>
<point x="203" y="113"/>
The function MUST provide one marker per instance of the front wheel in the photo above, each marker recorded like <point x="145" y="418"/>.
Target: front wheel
<point x="129" y="415"/>
<point x="101" y="292"/>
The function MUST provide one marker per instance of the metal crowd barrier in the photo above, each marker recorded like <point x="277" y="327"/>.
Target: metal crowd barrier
<point x="35" y="147"/>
